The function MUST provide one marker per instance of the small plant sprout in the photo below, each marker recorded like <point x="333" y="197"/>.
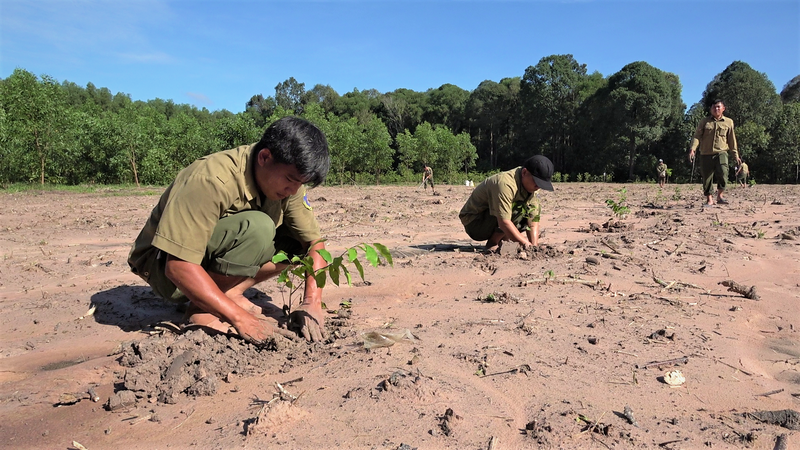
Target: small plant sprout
<point x="620" y="206"/>
<point x="677" y="195"/>
<point x="660" y="198"/>
<point x="299" y="268"/>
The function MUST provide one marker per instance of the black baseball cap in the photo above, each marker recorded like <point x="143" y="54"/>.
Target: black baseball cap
<point x="542" y="170"/>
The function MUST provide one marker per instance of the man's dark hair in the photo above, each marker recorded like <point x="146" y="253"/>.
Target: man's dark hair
<point x="717" y="100"/>
<point x="298" y="142"/>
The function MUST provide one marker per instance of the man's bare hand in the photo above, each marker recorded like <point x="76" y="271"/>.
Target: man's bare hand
<point x="309" y="320"/>
<point x="258" y="329"/>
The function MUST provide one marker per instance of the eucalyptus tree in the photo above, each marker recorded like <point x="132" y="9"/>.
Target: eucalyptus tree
<point x="437" y="147"/>
<point x="754" y="105"/>
<point x="785" y="157"/>
<point x="138" y="136"/>
<point x="5" y="153"/>
<point x="259" y="108"/>
<point x="748" y="95"/>
<point x="550" y="94"/>
<point x="489" y="111"/>
<point x="102" y="97"/>
<point x="186" y="140"/>
<point x="359" y="104"/>
<point x="401" y="110"/>
<point x="289" y="95"/>
<point x="344" y="144"/>
<point x="167" y="108"/>
<point x="418" y="149"/>
<point x="455" y="152"/>
<point x="374" y="155"/>
<point x="75" y="95"/>
<point x="639" y="104"/>
<point x="324" y="95"/>
<point x="446" y="106"/>
<point x="343" y="135"/>
<point x="233" y="131"/>
<point x="35" y="121"/>
<point x="672" y="144"/>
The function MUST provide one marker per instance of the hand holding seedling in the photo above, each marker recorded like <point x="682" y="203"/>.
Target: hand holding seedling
<point x="315" y="268"/>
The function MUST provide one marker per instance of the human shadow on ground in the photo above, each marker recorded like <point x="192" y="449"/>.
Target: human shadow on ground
<point x="137" y="308"/>
<point x="419" y="249"/>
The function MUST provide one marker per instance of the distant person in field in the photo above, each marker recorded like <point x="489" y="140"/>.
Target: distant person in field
<point x="215" y="229"/>
<point x="661" y="169"/>
<point x="715" y="138"/>
<point x="427" y="177"/>
<point x="505" y="206"/>
<point x="741" y="174"/>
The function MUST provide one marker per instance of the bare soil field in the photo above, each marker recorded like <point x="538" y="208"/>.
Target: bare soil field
<point x="572" y="345"/>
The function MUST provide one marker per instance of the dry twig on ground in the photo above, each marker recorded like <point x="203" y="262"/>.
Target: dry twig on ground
<point x="741" y="289"/>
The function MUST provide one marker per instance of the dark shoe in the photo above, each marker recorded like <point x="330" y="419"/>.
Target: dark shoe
<point x="722" y="201"/>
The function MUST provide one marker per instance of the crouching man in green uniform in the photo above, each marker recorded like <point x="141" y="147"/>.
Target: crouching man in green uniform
<point x="214" y="231"/>
<point x="505" y="205"/>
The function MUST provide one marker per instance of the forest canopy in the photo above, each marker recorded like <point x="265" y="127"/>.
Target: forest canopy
<point x="592" y="127"/>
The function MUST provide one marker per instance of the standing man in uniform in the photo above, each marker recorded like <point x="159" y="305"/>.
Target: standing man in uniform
<point x="716" y="139"/>
<point x="427" y="177"/>
<point x="505" y="205"/>
<point x="741" y="174"/>
<point x="215" y="229"/>
<point x="661" y="169"/>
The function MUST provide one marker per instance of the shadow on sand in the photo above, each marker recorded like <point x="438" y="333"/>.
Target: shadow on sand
<point x="136" y="308"/>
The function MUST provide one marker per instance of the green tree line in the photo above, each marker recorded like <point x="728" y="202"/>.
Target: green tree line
<point x="592" y="127"/>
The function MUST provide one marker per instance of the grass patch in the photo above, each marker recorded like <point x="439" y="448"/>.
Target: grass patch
<point x="106" y="189"/>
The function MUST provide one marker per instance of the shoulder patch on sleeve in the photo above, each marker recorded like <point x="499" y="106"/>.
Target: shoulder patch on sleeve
<point x="306" y="203"/>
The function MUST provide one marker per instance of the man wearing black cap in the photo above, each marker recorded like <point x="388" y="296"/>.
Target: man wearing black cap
<point x="505" y="204"/>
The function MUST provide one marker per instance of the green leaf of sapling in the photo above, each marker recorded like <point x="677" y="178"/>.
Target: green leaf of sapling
<point x="372" y="255"/>
<point x="360" y="268"/>
<point x="384" y="252"/>
<point x="326" y="255"/>
<point x="280" y="257"/>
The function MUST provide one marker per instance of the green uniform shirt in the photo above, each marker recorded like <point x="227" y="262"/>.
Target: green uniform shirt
<point x="715" y="136"/>
<point x="504" y="197"/>
<point x="211" y="188"/>
<point x="662" y="170"/>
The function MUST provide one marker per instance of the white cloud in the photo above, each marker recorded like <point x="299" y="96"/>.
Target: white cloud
<point x="85" y="29"/>
<point x="200" y="98"/>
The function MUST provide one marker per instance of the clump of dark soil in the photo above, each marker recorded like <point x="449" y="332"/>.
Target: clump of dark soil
<point x="192" y="364"/>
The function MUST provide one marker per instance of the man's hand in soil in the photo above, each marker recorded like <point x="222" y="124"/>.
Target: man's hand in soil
<point x="309" y="320"/>
<point x="258" y="329"/>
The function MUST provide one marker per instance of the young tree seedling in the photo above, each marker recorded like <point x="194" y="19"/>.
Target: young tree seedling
<point x="620" y="206"/>
<point x="300" y="268"/>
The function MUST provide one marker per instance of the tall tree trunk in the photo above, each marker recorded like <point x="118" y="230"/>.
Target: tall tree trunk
<point x="133" y="165"/>
<point x="40" y="151"/>
<point x="492" y="157"/>
<point x="632" y="157"/>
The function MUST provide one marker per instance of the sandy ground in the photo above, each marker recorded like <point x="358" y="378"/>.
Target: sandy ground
<point x="540" y="350"/>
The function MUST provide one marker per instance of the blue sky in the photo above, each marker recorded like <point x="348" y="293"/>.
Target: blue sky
<point x="217" y="54"/>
